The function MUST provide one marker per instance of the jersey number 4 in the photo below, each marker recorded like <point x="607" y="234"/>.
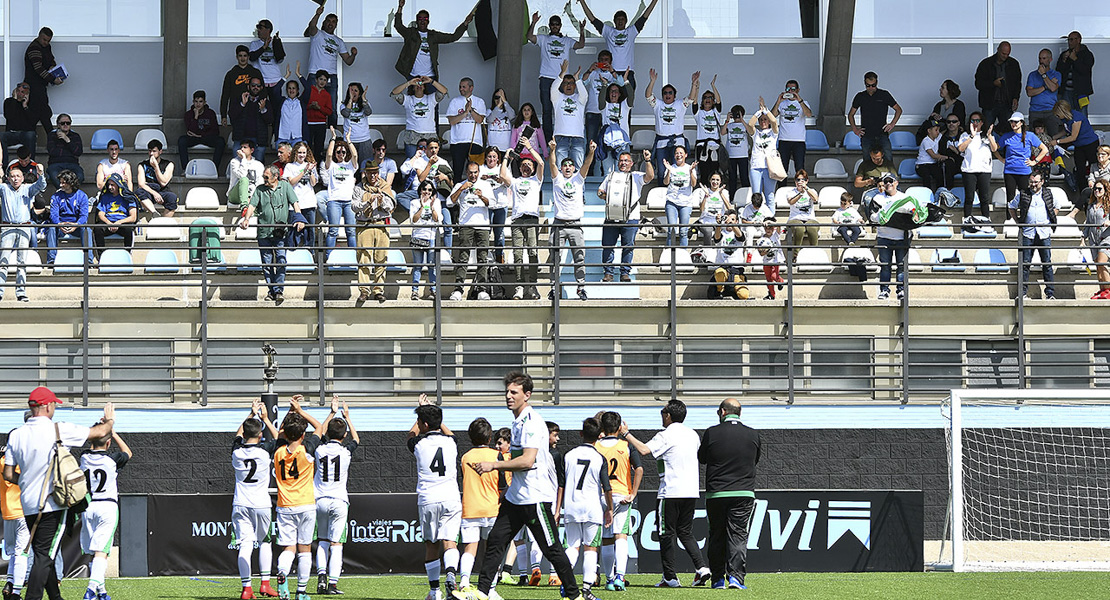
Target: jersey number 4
<point x="294" y="471"/>
<point x="324" y="469"/>
<point x="438" y="465"/>
<point x="101" y="478"/>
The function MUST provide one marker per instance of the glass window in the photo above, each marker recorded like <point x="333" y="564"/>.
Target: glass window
<point x="1059" y="364"/>
<point x="840" y="364"/>
<point x="767" y="365"/>
<point x="82" y="18"/>
<point x="1102" y="363"/>
<point x="63" y="368"/>
<point x="711" y="365"/>
<point x="935" y="364"/>
<point x="362" y="366"/>
<point x="418" y="365"/>
<point x="485" y="362"/>
<point x="992" y="363"/>
<point x="140" y="367"/>
<point x="645" y="366"/>
<point x="19" y="364"/>
<point x="908" y="19"/>
<point x="602" y="10"/>
<point x="236" y="18"/>
<point x="369" y="19"/>
<point x="739" y="18"/>
<point x="586" y="365"/>
<point x="1030" y="19"/>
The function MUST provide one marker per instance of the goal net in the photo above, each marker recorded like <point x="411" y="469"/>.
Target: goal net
<point x="1030" y="479"/>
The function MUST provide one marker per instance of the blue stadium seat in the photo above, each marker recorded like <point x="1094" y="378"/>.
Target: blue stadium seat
<point x="816" y="140"/>
<point x="942" y="260"/>
<point x="116" y="261"/>
<point x="343" y="260"/>
<point x="902" y="140"/>
<point x="851" y="141"/>
<point x="907" y="171"/>
<point x="300" y="260"/>
<point x="923" y="194"/>
<point x="161" y="260"/>
<point x="69" y="261"/>
<point x="395" y="261"/>
<point x="990" y="260"/>
<point x="101" y="137"/>
<point x="249" y="261"/>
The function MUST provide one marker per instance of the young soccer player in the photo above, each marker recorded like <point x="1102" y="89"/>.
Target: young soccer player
<point x="98" y="523"/>
<point x="438" y="502"/>
<point x="556" y="473"/>
<point x="333" y="464"/>
<point x="626" y="471"/>
<point x="16" y="535"/>
<point x="250" y="507"/>
<point x="481" y="495"/>
<point x="501" y="443"/>
<point x="587" y="502"/>
<point x="294" y="464"/>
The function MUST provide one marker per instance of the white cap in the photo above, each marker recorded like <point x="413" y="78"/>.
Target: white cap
<point x="1017" y="116"/>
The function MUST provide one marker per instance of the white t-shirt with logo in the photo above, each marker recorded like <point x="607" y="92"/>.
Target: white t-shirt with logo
<point x="596" y="83"/>
<point x="266" y="63"/>
<point x="670" y="119"/>
<point x="763" y="141"/>
<point x="736" y="140"/>
<point x="340" y="178"/>
<point x="472" y="211"/>
<point x="423" y="220"/>
<point x="617" y="114"/>
<point x="676" y="450"/>
<point x="709" y="123"/>
<point x="680" y="191"/>
<point x="803" y="208"/>
<point x="532" y="486"/>
<point x="792" y="120"/>
<point x="499" y="126"/>
<point x="977" y="154"/>
<point x="554" y="49"/>
<point x="526" y="196"/>
<point x="420" y="113"/>
<point x="422" y="66"/>
<point x="463" y="131"/>
<point x="323" y="52"/>
<point x="620" y="43"/>
<point x="501" y="196"/>
<point x="306" y="196"/>
<point x="570" y="110"/>
<point x="30" y="448"/>
<point x="567" y="196"/>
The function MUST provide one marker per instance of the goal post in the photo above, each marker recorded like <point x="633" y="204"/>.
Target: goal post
<point x="1029" y="479"/>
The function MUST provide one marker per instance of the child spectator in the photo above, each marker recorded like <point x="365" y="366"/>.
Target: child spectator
<point x="770" y="246"/>
<point x="848" y="219"/>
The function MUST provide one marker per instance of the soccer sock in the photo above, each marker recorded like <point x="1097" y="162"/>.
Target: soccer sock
<point x="265" y="560"/>
<point x="11" y="571"/>
<point x="589" y="567"/>
<point x="621" y="550"/>
<point x="522" y="559"/>
<point x="322" y="557"/>
<point x="432" y="569"/>
<point x="535" y="554"/>
<point x="304" y="570"/>
<point x="608" y="557"/>
<point x="22" y="571"/>
<point x="335" y="564"/>
<point x="245" y="552"/>
<point x="285" y="562"/>
<point x="96" y="573"/>
<point x="451" y="563"/>
<point x="572" y="555"/>
<point x="466" y="565"/>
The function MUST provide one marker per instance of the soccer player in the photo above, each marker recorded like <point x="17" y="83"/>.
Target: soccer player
<point x="98" y="523"/>
<point x="16" y="535"/>
<point x="587" y="502"/>
<point x="438" y="502"/>
<point x="556" y="473"/>
<point x="333" y="464"/>
<point x="250" y="507"/>
<point x="296" y="507"/>
<point x="481" y="495"/>
<point x="626" y="471"/>
<point x="529" y="497"/>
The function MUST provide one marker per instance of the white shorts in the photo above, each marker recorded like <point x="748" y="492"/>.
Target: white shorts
<point x="583" y="534"/>
<point x="296" y="525"/>
<point x="440" y="521"/>
<point x="477" y="529"/>
<point x="621" y="521"/>
<point x="331" y="520"/>
<point x="16" y="535"/>
<point x="98" y="526"/>
<point x="250" y="525"/>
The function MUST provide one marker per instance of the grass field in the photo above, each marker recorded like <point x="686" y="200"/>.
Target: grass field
<point x="784" y="586"/>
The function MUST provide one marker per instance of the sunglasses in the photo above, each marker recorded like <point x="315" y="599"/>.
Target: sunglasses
<point x="871" y="85"/>
<point x="976" y="120"/>
<point x="60" y="123"/>
<point x="953" y="122"/>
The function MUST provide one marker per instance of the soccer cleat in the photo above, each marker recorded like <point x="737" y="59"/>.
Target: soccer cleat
<point x="587" y="594"/>
<point x="333" y="590"/>
<point x="449" y="588"/>
<point x="523" y="580"/>
<point x="433" y="595"/>
<point x="735" y="584"/>
<point x="103" y="596"/>
<point x="89" y="595"/>
<point x="265" y="590"/>
<point x="701" y="577"/>
<point x="554" y="580"/>
<point x="248" y="594"/>
<point x="493" y="595"/>
<point x="8" y="589"/>
<point x="302" y="595"/>
<point x="283" y="587"/>
<point x="506" y="578"/>
<point x="671" y="583"/>
<point x="534" y="580"/>
<point x="720" y="584"/>
<point x="611" y="585"/>
<point x="321" y="583"/>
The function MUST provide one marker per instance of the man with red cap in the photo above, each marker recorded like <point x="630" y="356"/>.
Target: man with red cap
<point x="30" y="449"/>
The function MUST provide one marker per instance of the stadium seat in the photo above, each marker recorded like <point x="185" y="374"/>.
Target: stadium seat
<point x="1061" y="198"/>
<point x="998" y="198"/>
<point x="988" y="234"/>
<point x="163" y="229"/>
<point x="829" y="197"/>
<point x="250" y="233"/>
<point x="657" y="198"/>
<point x="395" y="261"/>
<point x="829" y="168"/>
<point x="942" y="261"/>
<point x="903" y="140"/>
<point x="1079" y="259"/>
<point x="682" y="261"/>
<point x="69" y="261"/>
<point x="202" y="198"/>
<point x="161" y="260"/>
<point x="643" y="139"/>
<point x="990" y="260"/>
<point x="855" y="167"/>
<point x="375" y="135"/>
<point x="1066" y="228"/>
<point x="1010" y="229"/>
<point x="923" y="194"/>
<point x="145" y="135"/>
<point x="742" y="197"/>
<point x="907" y="171"/>
<point x="816" y="141"/>
<point x="782" y="197"/>
<point x="942" y="230"/>
<point x="851" y="141"/>
<point x="248" y="261"/>
<point x="864" y="253"/>
<point x="813" y="260"/>
<point x="101" y="137"/>
<point x="913" y="257"/>
<point x="116" y="261"/>
<point x="201" y="168"/>
<point x="300" y="260"/>
<point x="342" y="260"/>
<point x="210" y="224"/>
<point x="31" y="263"/>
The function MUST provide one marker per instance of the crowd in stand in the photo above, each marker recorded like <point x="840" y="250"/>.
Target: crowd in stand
<point x="463" y="191"/>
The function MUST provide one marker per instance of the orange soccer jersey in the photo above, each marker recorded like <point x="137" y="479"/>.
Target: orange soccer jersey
<point x="10" y="505"/>
<point x="620" y="466"/>
<point x="294" y="471"/>
<point x="481" y="494"/>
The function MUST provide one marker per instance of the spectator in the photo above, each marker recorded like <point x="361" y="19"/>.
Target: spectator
<point x="977" y="163"/>
<point x="792" y="111"/>
<point x="872" y="104"/>
<point x="1097" y="233"/>
<point x="848" y="219"/>
<point x="19" y="121"/>
<point x="670" y="119"/>
<point x="251" y="117"/>
<point x="284" y="155"/>
<point x="340" y="172"/>
<point x="16" y="205"/>
<point x="597" y="78"/>
<point x="113" y="165"/>
<point x="998" y="79"/>
<point x="802" y="223"/>
<point x="38" y="72"/>
<point x="1034" y="207"/>
<point x="623" y="189"/>
<point x="274" y="203"/>
<point x="324" y="51"/>
<point x="930" y="162"/>
<point x="63" y="145"/>
<point x="714" y="204"/>
<point x="116" y="212"/>
<point x="499" y="205"/>
<point x="707" y="144"/>
<point x="1020" y="150"/>
<point x="356" y="111"/>
<point x="525" y="191"/>
<point x="154" y="175"/>
<point x="387" y="167"/>
<point x="30" y="449"/>
<point x="69" y="213"/>
<point x="870" y="173"/>
<point x="291" y="113"/>
<point x="527" y="119"/>
<point x="30" y="167"/>
<point x="763" y="128"/>
<point x="730" y="452"/>
<point x="770" y="247"/>
<point x="266" y="54"/>
<point x="237" y="83"/>
<point x="499" y="122"/>
<point x="420" y="110"/>
<point x="427" y="163"/>
<point x="302" y="176"/>
<point x="425" y="218"/>
<point x="950" y="104"/>
<point x="420" y="53"/>
<point x="950" y="147"/>
<point x="201" y="128"/>
<point x="615" y="136"/>
<point x="737" y="144"/>
<point x="1077" y="131"/>
<point x="1041" y="86"/>
<point x="473" y="197"/>
<point x="319" y="111"/>
<point x="568" y="188"/>
<point x="373" y="204"/>
<point x="620" y="39"/>
<point x="1054" y="153"/>
<point x="893" y="244"/>
<point x="1075" y="65"/>
<point x="570" y="118"/>
<point x="727" y="238"/>
<point x="1099" y="170"/>
<point x="753" y="215"/>
<point x="465" y="113"/>
<point x="244" y="175"/>
<point x="554" y="51"/>
<point x="681" y="179"/>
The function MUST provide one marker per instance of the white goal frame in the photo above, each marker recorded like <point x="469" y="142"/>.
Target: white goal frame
<point x="1075" y="409"/>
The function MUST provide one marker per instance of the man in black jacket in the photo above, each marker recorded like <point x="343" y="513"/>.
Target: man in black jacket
<point x="730" y="452"/>
<point x="19" y="121"/>
<point x="998" y="79"/>
<point x="1075" y="65"/>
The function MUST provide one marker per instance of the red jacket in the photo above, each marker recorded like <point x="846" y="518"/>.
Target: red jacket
<point x="323" y="98"/>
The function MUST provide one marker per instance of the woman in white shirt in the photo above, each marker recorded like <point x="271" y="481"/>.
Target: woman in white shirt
<point x="670" y="119"/>
<point x="356" y="111"/>
<point x="502" y="201"/>
<point x="976" y="167"/>
<point x="764" y="129"/>
<point x="615" y="104"/>
<point x="301" y="174"/>
<point x="420" y="111"/>
<point x="714" y="204"/>
<point x="499" y="122"/>
<point x="710" y="120"/>
<point x="680" y="179"/>
<point x="338" y="172"/>
<point x="802" y="223"/>
<point x="738" y="145"/>
<point x="425" y="218"/>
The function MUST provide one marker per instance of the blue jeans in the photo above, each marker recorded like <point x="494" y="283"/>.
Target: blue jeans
<point x="423" y="257"/>
<point x="497" y="217"/>
<point x="572" y="146"/>
<point x="53" y="234"/>
<point x="1042" y="246"/>
<point x="404" y="199"/>
<point x="547" y="110"/>
<point x="763" y="183"/>
<point x="340" y="210"/>
<point x="896" y="250"/>
<point x="610" y="233"/>
<point x="678" y="215"/>
<point x="272" y="250"/>
<point x="883" y="141"/>
<point x="665" y="152"/>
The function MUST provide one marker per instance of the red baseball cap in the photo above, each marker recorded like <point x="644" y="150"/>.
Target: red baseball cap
<point x="41" y="396"/>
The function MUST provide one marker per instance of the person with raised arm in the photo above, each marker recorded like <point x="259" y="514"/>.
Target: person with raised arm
<point x="620" y="38"/>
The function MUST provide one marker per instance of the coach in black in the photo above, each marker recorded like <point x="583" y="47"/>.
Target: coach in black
<point x="730" y="452"/>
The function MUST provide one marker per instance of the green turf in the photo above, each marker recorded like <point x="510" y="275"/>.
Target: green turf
<point x="785" y="586"/>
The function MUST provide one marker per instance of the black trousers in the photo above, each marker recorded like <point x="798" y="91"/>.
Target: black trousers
<point x="44" y="545"/>
<point x="537" y="518"/>
<point x="675" y="518"/>
<point x="728" y="535"/>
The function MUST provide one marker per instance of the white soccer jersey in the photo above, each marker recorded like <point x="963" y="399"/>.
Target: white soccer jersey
<point x="101" y="468"/>
<point x="534" y="485"/>
<point x="437" y="472"/>
<point x="676" y="449"/>
<point x="251" y="463"/>
<point x="587" y="480"/>
<point x="333" y="464"/>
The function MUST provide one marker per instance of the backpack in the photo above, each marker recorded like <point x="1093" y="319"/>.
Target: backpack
<point x="728" y="282"/>
<point x="70" y="485"/>
<point x="495" y="283"/>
